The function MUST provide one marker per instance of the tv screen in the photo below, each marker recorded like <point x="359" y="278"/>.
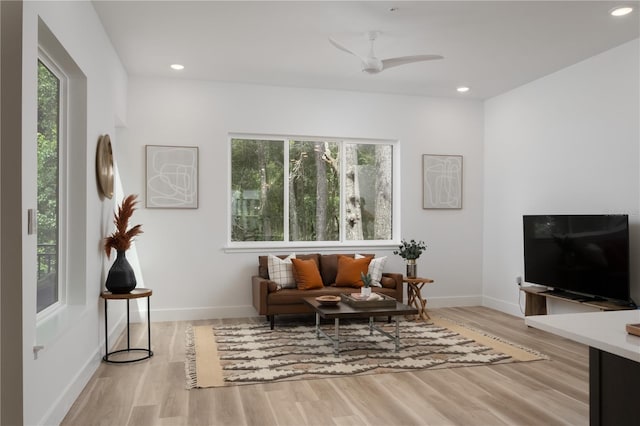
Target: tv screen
<point x="582" y="254"/>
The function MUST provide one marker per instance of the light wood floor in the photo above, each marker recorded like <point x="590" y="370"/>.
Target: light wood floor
<point x="153" y="392"/>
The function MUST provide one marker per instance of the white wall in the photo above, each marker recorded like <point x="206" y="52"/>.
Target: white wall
<point x="566" y="143"/>
<point x="181" y="251"/>
<point x="72" y="346"/>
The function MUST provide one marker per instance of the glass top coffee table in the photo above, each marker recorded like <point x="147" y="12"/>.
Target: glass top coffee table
<point x="344" y="311"/>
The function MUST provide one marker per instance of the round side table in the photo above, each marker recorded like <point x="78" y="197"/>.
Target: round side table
<point x="414" y="295"/>
<point x="136" y="293"/>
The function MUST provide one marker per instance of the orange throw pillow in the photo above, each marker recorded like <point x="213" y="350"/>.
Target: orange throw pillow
<point x="349" y="270"/>
<point x="306" y="274"/>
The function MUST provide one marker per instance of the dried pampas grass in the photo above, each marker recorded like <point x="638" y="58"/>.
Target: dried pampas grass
<point x="121" y="239"/>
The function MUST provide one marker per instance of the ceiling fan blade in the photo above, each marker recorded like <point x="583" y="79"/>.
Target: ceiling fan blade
<point x="344" y="49"/>
<point x="394" y="62"/>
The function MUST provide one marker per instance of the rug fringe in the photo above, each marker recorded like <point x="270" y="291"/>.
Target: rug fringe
<point x="496" y="338"/>
<point x="190" y="359"/>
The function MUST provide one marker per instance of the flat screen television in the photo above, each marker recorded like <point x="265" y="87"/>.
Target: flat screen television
<point x="582" y="255"/>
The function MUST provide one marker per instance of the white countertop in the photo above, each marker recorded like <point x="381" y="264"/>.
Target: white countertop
<point x="602" y="330"/>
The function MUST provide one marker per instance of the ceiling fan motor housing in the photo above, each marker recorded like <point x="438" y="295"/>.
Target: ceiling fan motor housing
<point x="372" y="65"/>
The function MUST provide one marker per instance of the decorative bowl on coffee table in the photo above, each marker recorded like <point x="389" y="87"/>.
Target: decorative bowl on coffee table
<point x="328" y="300"/>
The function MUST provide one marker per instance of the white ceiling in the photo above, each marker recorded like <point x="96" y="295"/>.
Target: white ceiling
<point x="490" y="46"/>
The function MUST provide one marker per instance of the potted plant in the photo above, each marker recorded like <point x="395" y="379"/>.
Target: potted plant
<point x="121" y="278"/>
<point x="410" y="251"/>
<point x="365" y="291"/>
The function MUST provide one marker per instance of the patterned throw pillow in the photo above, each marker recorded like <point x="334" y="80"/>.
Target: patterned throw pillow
<point x="281" y="271"/>
<point x="376" y="266"/>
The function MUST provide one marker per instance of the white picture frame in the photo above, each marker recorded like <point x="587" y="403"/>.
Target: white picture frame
<point x="441" y="181"/>
<point x="171" y="177"/>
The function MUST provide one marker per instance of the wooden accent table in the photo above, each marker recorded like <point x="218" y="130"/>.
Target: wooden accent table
<point x="414" y="295"/>
<point x="134" y="294"/>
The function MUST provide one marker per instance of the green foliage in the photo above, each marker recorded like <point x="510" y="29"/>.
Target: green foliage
<point x="48" y="169"/>
<point x="366" y="279"/>
<point x="302" y="196"/>
<point x="410" y="250"/>
<point x="257" y="185"/>
<point x="366" y="165"/>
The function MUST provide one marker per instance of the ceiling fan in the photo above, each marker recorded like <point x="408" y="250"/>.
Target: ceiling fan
<point x="372" y="65"/>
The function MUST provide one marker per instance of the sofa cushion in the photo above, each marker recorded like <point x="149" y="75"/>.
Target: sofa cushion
<point x="306" y="274"/>
<point x="329" y="266"/>
<point x="376" y="266"/>
<point x="281" y="271"/>
<point x="388" y="282"/>
<point x="349" y="271"/>
<point x="263" y="262"/>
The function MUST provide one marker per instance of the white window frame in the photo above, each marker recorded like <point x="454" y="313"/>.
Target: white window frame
<point x="63" y="116"/>
<point x="249" y="246"/>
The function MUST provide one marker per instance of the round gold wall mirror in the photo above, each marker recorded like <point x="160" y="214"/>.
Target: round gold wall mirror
<point x="104" y="166"/>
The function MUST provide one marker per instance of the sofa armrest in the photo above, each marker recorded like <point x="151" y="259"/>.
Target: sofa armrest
<point x="396" y="283"/>
<point x="260" y="288"/>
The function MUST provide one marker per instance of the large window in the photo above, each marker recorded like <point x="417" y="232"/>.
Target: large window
<point x="303" y="190"/>
<point x="50" y="137"/>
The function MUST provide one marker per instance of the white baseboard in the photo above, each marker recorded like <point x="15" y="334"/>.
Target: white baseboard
<point x="450" y="302"/>
<point x="59" y="409"/>
<point x="68" y="396"/>
<point x="192" y="314"/>
<point x="503" y="306"/>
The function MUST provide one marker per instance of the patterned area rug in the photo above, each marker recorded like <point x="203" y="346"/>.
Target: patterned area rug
<point x="248" y="353"/>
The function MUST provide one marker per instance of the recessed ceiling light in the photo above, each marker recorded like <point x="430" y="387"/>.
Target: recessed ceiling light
<point x="621" y="11"/>
<point x="177" y="67"/>
<point x="463" y="89"/>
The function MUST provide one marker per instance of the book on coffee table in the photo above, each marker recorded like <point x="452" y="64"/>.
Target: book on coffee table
<point x="374" y="301"/>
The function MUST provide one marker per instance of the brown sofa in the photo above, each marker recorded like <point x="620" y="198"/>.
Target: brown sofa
<point x="271" y="301"/>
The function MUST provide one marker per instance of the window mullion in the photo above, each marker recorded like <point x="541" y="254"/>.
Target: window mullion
<point x="342" y="214"/>
<point x="63" y="181"/>
<point x="285" y="215"/>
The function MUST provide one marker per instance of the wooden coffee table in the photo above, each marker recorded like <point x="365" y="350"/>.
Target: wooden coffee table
<point x="345" y="311"/>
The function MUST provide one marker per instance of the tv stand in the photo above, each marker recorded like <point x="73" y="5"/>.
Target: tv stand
<point x="536" y="301"/>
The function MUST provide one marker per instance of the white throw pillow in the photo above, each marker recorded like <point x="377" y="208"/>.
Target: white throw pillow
<point x="281" y="271"/>
<point x="376" y="267"/>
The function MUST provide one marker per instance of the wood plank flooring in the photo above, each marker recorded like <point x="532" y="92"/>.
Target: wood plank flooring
<point x="152" y="392"/>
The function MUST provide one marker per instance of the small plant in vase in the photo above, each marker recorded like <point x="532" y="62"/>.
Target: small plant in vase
<point x="121" y="278"/>
<point x="365" y="291"/>
<point x="410" y="251"/>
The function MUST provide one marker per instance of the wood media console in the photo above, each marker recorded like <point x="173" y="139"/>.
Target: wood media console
<point x="536" y="301"/>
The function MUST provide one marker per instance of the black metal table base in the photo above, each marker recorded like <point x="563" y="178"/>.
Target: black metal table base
<point x="113" y="361"/>
<point x="148" y="352"/>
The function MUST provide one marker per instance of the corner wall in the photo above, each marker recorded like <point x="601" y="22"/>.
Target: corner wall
<point x="74" y="344"/>
<point x="182" y="251"/>
<point x="566" y="143"/>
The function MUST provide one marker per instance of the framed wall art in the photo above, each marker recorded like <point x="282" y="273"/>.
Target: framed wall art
<point x="172" y="177"/>
<point x="441" y="181"/>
